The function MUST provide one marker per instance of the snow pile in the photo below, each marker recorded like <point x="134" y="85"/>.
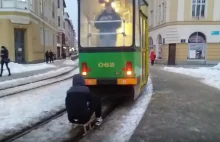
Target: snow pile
<point x="210" y="75"/>
<point x="217" y="66"/>
<point x="19" y="68"/>
<point x="70" y="62"/>
<point x="122" y="122"/>
<point x="27" y="108"/>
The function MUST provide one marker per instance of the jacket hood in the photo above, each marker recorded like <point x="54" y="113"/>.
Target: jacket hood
<point x="78" y="80"/>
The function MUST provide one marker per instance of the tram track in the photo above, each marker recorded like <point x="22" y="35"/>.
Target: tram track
<point x="108" y="106"/>
<point x="37" y="84"/>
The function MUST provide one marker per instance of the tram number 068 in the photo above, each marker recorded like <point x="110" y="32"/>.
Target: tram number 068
<point x="106" y="65"/>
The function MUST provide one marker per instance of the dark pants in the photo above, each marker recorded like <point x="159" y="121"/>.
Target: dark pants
<point x="95" y="106"/>
<point x="2" y="65"/>
<point x="47" y="59"/>
<point x="51" y="59"/>
<point x="152" y="62"/>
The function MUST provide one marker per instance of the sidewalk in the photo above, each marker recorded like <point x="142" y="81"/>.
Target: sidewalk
<point x="57" y="63"/>
<point x="181" y="110"/>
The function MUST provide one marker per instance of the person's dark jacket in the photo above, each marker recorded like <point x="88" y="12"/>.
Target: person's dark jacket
<point x="104" y="16"/>
<point x="47" y="54"/>
<point x="77" y="98"/>
<point x="4" y="54"/>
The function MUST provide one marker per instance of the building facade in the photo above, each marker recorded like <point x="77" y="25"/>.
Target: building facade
<point x="61" y="5"/>
<point x="185" y="31"/>
<point x="28" y="28"/>
<point x="69" y="33"/>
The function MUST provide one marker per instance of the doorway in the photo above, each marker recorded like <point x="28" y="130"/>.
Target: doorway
<point x="58" y="52"/>
<point x="172" y="54"/>
<point x="19" y="45"/>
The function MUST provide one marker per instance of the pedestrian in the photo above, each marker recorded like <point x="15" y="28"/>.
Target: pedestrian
<point x="4" y="60"/>
<point x="51" y="56"/>
<point x="81" y="104"/>
<point x="152" y="57"/>
<point x="110" y="15"/>
<point x="47" y="56"/>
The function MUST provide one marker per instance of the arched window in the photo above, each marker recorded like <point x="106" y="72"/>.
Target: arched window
<point x="197" y="37"/>
<point x="197" y="46"/>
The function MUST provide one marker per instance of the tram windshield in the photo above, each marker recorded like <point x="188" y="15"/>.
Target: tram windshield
<point x="106" y="23"/>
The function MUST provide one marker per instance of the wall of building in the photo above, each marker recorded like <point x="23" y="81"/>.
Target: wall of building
<point x="174" y="34"/>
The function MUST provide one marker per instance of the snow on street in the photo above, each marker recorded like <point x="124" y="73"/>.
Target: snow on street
<point x="19" y="68"/>
<point x="34" y="78"/>
<point x="70" y="62"/>
<point x="210" y="75"/>
<point x="27" y="108"/>
<point x="120" y="125"/>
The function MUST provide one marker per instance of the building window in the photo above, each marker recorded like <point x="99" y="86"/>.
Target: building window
<point x="159" y="13"/>
<point x="59" y="21"/>
<point x="41" y="6"/>
<point x="198" y="8"/>
<point x="151" y="18"/>
<point x="163" y="12"/>
<point x="53" y="11"/>
<point x="42" y="35"/>
<point x="58" y="3"/>
<point x="159" y="47"/>
<point x="196" y="46"/>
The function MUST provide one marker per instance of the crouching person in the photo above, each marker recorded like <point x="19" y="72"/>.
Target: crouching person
<point x="81" y="104"/>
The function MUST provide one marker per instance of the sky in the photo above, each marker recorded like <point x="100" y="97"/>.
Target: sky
<point x="71" y="8"/>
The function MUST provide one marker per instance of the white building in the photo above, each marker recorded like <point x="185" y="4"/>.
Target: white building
<point x="61" y="5"/>
<point x="185" y="31"/>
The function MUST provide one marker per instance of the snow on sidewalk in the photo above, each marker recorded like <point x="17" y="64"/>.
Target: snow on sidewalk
<point x="19" y="68"/>
<point x="70" y="62"/>
<point x="34" y="78"/>
<point x="122" y="122"/>
<point x="210" y="75"/>
<point x="27" y="108"/>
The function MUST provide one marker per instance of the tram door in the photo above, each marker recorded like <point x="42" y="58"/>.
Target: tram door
<point x="143" y="24"/>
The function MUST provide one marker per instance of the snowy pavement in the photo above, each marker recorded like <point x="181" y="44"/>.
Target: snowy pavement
<point x="33" y="85"/>
<point x="209" y="75"/>
<point x="34" y="78"/>
<point x="30" y="72"/>
<point x="117" y="127"/>
<point x="27" y="108"/>
<point x="20" y="68"/>
<point x="120" y="125"/>
<point x="59" y="130"/>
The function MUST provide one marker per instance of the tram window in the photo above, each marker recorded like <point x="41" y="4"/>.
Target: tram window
<point x="106" y="24"/>
<point x="137" y="24"/>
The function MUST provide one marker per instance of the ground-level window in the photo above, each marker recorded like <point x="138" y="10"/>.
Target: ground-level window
<point x="159" y="47"/>
<point x="197" y="46"/>
<point x="151" y="43"/>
